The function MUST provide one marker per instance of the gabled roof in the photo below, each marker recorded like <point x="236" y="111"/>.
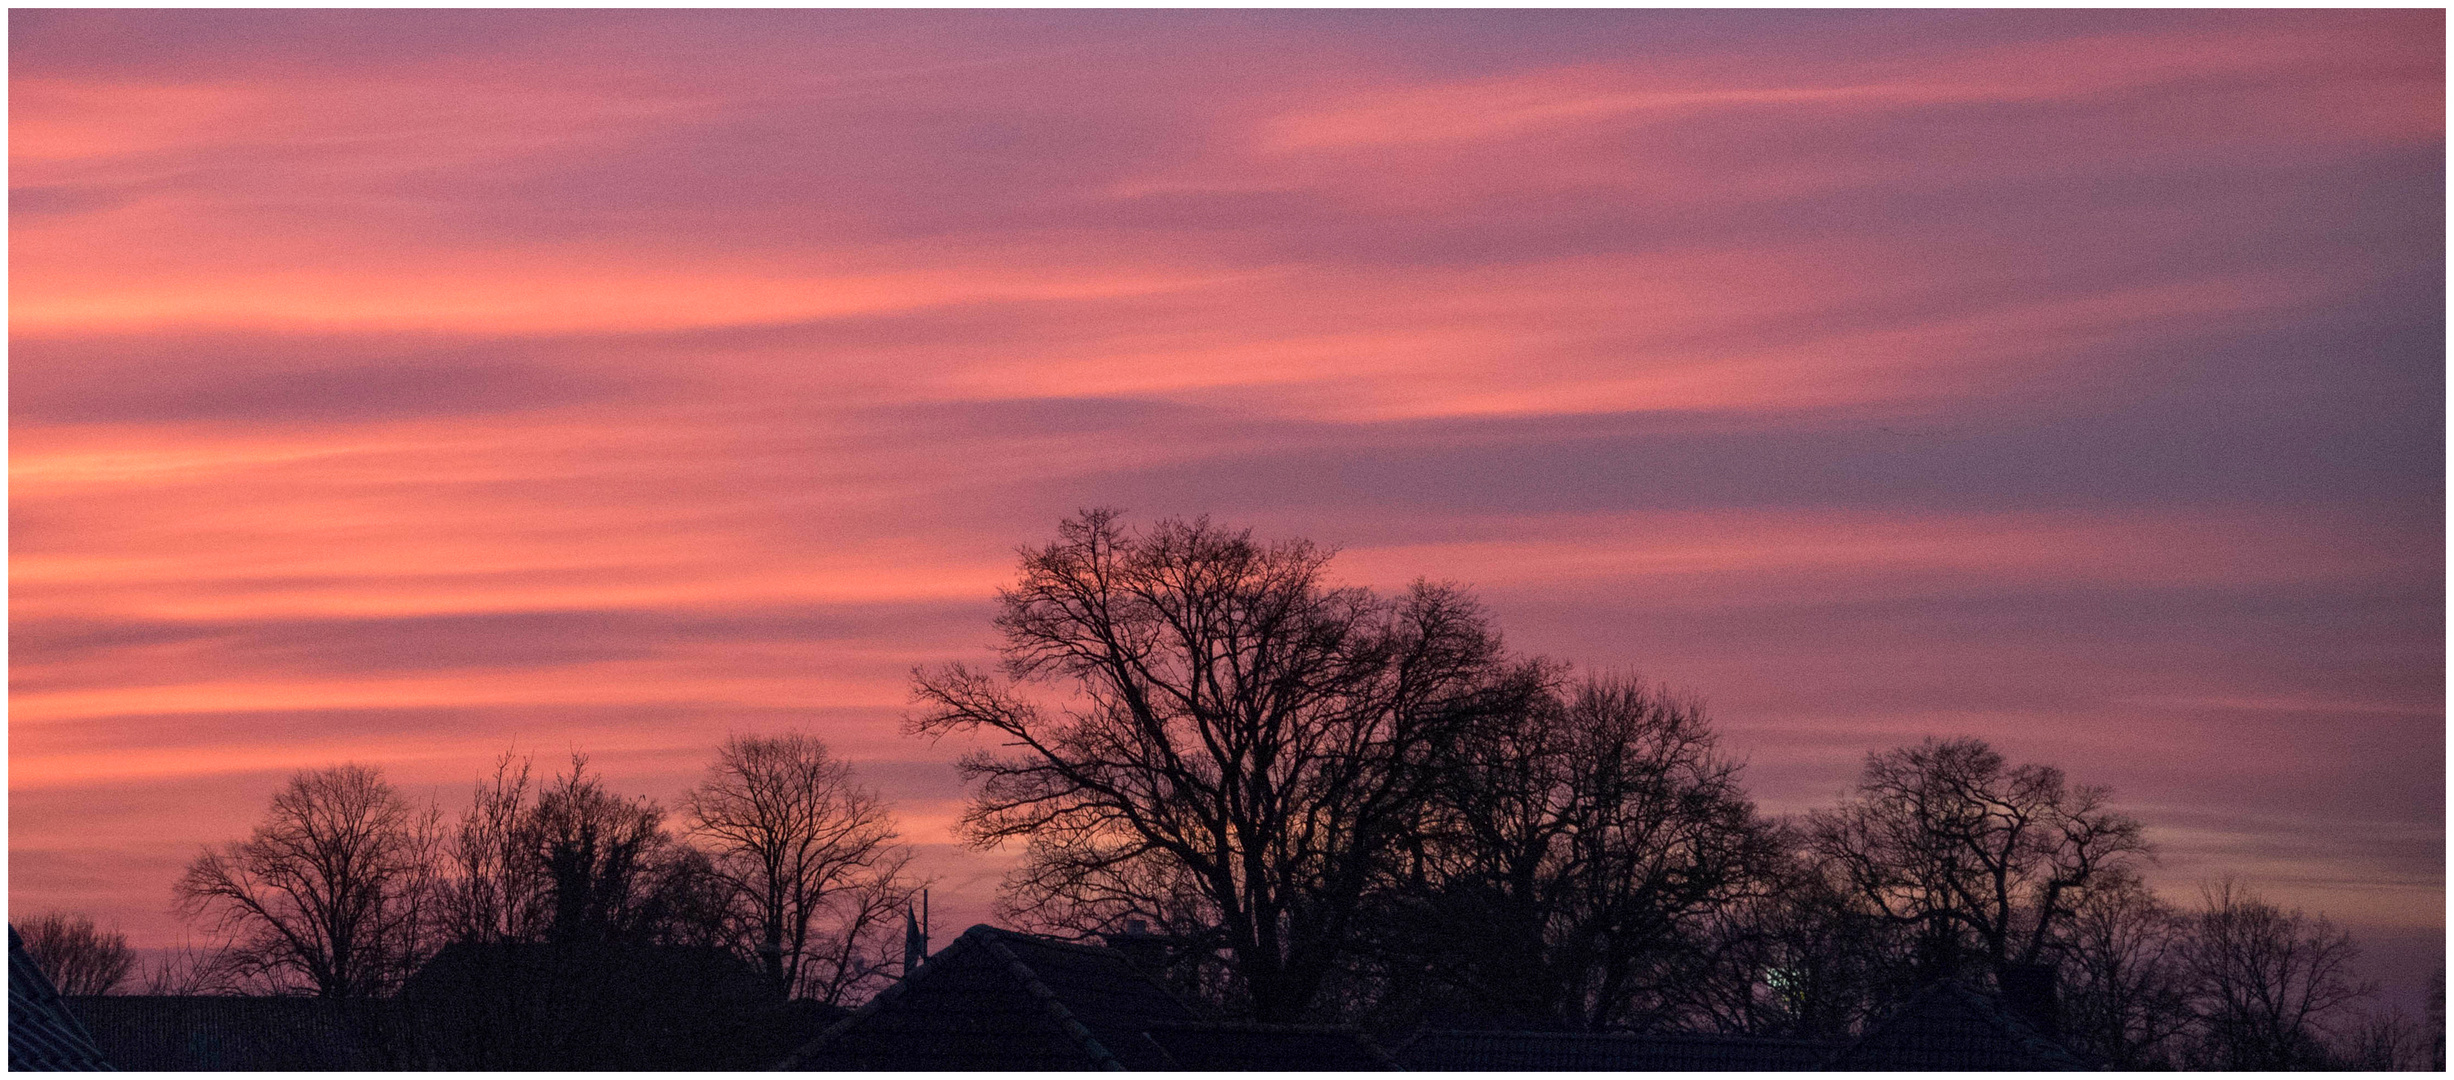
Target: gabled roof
<point x="996" y="999"/>
<point x="1948" y="1026"/>
<point x="43" y="1035"/>
<point x="1547" y="1051"/>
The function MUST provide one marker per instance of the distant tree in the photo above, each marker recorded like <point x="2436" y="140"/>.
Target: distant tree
<point x="1239" y="733"/>
<point x="808" y="859"/>
<point x="1577" y="857"/>
<point x="2271" y="986"/>
<point x="333" y="893"/>
<point x="498" y="889"/>
<point x="1987" y="862"/>
<point x="569" y="861"/>
<point x="2387" y="1040"/>
<point x="584" y="929"/>
<point x="79" y="958"/>
<point x="2124" y="984"/>
<point x="1799" y="956"/>
<point x="613" y="873"/>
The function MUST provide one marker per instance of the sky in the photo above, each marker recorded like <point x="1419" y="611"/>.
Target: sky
<point x="403" y="387"/>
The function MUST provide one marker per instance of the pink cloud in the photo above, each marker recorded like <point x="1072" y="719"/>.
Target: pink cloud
<point x="390" y="386"/>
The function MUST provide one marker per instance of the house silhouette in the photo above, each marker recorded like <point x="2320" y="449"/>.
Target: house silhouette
<point x="998" y="999"/>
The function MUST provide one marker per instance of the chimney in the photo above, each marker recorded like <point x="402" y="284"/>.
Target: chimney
<point x="2029" y="992"/>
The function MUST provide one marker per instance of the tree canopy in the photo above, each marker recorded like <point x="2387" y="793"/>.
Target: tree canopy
<point x="1237" y="745"/>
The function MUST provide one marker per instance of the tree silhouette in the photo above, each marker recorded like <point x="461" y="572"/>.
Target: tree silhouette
<point x="1797" y="955"/>
<point x="1575" y="857"/>
<point x="613" y="873"/>
<point x="2125" y="986"/>
<point x="1989" y="862"/>
<point x="498" y="889"/>
<point x="804" y="850"/>
<point x="79" y="958"/>
<point x="333" y="889"/>
<point x="2270" y="984"/>
<point x="1243" y="748"/>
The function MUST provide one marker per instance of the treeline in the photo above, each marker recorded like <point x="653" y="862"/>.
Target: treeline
<point x="1307" y="802"/>
<point x="780" y="857"/>
<point x="1320" y="803"/>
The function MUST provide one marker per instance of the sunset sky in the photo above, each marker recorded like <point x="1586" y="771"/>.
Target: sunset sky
<point x="398" y="387"/>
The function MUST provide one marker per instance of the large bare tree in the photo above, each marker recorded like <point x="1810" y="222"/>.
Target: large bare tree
<point x="1190" y="714"/>
<point x="1987" y="861"/>
<point x="809" y="857"/>
<point x="333" y="892"/>
<point x="79" y="957"/>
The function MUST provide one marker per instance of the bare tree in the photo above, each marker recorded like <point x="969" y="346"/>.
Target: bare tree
<point x="809" y="858"/>
<point x="1797" y="956"/>
<point x="612" y="871"/>
<point x="499" y="890"/>
<point x="2125" y="988"/>
<point x="2271" y="985"/>
<point x="1577" y="855"/>
<point x="569" y="861"/>
<point x="1268" y="740"/>
<point x="2388" y="1040"/>
<point x="333" y="891"/>
<point x="1988" y="861"/>
<point x="79" y="958"/>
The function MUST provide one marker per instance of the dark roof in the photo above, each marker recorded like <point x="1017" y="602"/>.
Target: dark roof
<point x="996" y="999"/>
<point x="43" y="1035"/>
<point x="1948" y="1026"/>
<point x="246" y="1034"/>
<point x="1547" y="1051"/>
<point x="599" y="1005"/>
<point x="485" y="1006"/>
<point x="1240" y="1047"/>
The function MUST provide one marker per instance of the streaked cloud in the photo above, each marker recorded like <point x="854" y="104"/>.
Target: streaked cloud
<point x="394" y="385"/>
